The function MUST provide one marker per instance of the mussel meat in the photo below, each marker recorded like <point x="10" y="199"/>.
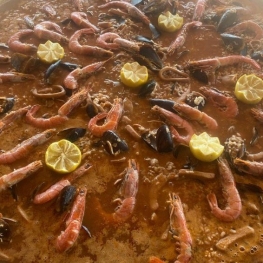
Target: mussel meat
<point x="196" y="100"/>
<point x="5" y="232"/>
<point x="23" y="63"/>
<point x="164" y="140"/>
<point x="235" y="42"/>
<point x="73" y="134"/>
<point x="147" y="88"/>
<point x="228" y="19"/>
<point x="113" y="144"/>
<point x="6" y="104"/>
<point x="66" y="197"/>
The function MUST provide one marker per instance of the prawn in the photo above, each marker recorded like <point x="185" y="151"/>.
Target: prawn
<point x="15" y="77"/>
<point x="44" y="29"/>
<point x="214" y="63"/>
<point x="133" y="12"/>
<point x="222" y="101"/>
<point x="42" y="122"/>
<point x="112" y="119"/>
<point x="196" y="115"/>
<point x="25" y="148"/>
<point x="175" y="120"/>
<point x="77" y="48"/>
<point x="71" y="80"/>
<point x="181" y="37"/>
<point x="103" y="41"/>
<point x="257" y="114"/>
<point x="74" y="101"/>
<point x="54" y="190"/>
<point x="17" y="175"/>
<point x="199" y="10"/>
<point x="249" y="167"/>
<point x="67" y="238"/>
<point x="78" y="4"/>
<point x="234" y="206"/>
<point x="16" y="45"/>
<point x="81" y="19"/>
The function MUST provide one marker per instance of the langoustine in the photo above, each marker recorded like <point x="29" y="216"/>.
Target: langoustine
<point x="68" y="237"/>
<point x="233" y="201"/>
<point x="249" y="167"/>
<point x="19" y="174"/>
<point x="81" y="19"/>
<point x="25" y="148"/>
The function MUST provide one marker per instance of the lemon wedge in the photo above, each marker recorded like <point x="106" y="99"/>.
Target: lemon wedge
<point x="133" y="74"/>
<point x="249" y="89"/>
<point x="205" y="148"/>
<point x="63" y="156"/>
<point x="169" y="22"/>
<point x="50" y="52"/>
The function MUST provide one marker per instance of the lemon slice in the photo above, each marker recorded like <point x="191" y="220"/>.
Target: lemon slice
<point x="63" y="156"/>
<point x="249" y="89"/>
<point x="50" y="52"/>
<point x="205" y="148"/>
<point x="169" y="22"/>
<point x="134" y="75"/>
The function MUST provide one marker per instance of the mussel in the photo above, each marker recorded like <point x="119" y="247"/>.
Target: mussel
<point x="5" y="232"/>
<point x="66" y="197"/>
<point x="258" y="55"/>
<point x="166" y="104"/>
<point x="198" y="74"/>
<point x="235" y="42"/>
<point x="147" y="88"/>
<point x="155" y="7"/>
<point x="6" y="104"/>
<point x="196" y="100"/>
<point x="23" y="63"/>
<point x="228" y="19"/>
<point x="148" y="52"/>
<point x="73" y="134"/>
<point x="113" y="144"/>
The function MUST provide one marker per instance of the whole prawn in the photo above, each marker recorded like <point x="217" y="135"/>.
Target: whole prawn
<point x="199" y="10"/>
<point x="19" y="174"/>
<point x="111" y="122"/>
<point x="16" y="45"/>
<point x="214" y="63"/>
<point x="181" y="37"/>
<point x="106" y="41"/>
<point x="25" y="148"/>
<point x="196" y="115"/>
<point x="249" y="167"/>
<point x="234" y="206"/>
<point x="68" y="237"/>
<point x="77" y="48"/>
<point x="54" y="190"/>
<point x="81" y="19"/>
<point x="222" y="101"/>
<point x="43" y="123"/>
<point x="15" y="77"/>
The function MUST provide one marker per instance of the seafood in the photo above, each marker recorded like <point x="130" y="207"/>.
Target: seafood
<point x="5" y="231"/>
<point x="227" y="20"/>
<point x="147" y="88"/>
<point x="55" y="91"/>
<point x="214" y="63"/>
<point x="128" y="45"/>
<point x="29" y="22"/>
<point x="68" y="237"/>
<point x="23" y="63"/>
<point x="199" y="10"/>
<point x="112" y="119"/>
<point x="77" y="48"/>
<point x="257" y="114"/>
<point x="249" y="167"/>
<point x="15" y="77"/>
<point x="248" y="25"/>
<point x="25" y="148"/>
<point x="81" y="19"/>
<point x="196" y="115"/>
<point x="43" y="123"/>
<point x="222" y="101"/>
<point x="12" y="116"/>
<point x="175" y="120"/>
<point x="74" y="101"/>
<point x="71" y="80"/>
<point x="154" y="7"/>
<point x="168" y="73"/>
<point x="4" y="59"/>
<point x="50" y="31"/>
<point x="16" y="45"/>
<point x="19" y="174"/>
<point x="50" y="70"/>
<point x="6" y="104"/>
<point x="78" y="4"/>
<point x="233" y="201"/>
<point x="233" y="41"/>
<point x="73" y="134"/>
<point x="181" y="37"/>
<point x="66" y="196"/>
<point x="49" y="10"/>
<point x="54" y="190"/>
<point x="106" y="41"/>
<point x="133" y="12"/>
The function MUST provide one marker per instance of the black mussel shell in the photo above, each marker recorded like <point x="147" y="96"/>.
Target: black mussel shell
<point x="50" y="70"/>
<point x="166" y="104"/>
<point x="196" y="100"/>
<point x="147" y="88"/>
<point x="249" y="187"/>
<point x="150" y="139"/>
<point x="136" y="2"/>
<point x="198" y="74"/>
<point x="5" y="232"/>
<point x="23" y="63"/>
<point x="6" y="104"/>
<point x="144" y="40"/>
<point x="234" y="41"/>
<point x="66" y="197"/>
<point x="145" y="62"/>
<point x="73" y="134"/>
<point x="228" y="19"/>
<point x="91" y="110"/>
<point x="164" y="140"/>
<point x="69" y="66"/>
<point x="148" y="52"/>
<point x="113" y="144"/>
<point x="155" y="7"/>
<point x="258" y="55"/>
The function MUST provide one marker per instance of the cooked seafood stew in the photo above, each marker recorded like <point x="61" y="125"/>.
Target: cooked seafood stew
<point x="139" y="194"/>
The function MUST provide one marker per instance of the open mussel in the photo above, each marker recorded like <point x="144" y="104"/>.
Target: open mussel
<point x="23" y="63"/>
<point x="196" y="100"/>
<point x="148" y="52"/>
<point x="66" y="197"/>
<point x="198" y="74"/>
<point x="235" y="42"/>
<point x="5" y="232"/>
<point x="6" y="104"/>
<point x="155" y="7"/>
<point x="113" y="144"/>
<point x="258" y="55"/>
<point x="147" y="88"/>
<point x="228" y="19"/>
<point x="166" y="104"/>
<point x="73" y="134"/>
